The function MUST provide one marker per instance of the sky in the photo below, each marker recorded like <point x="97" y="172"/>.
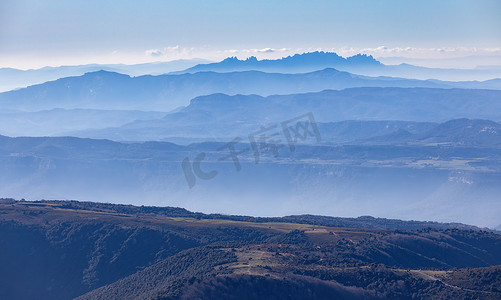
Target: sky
<point x="39" y="33"/>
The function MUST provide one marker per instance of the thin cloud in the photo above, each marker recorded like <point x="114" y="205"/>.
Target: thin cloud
<point x="257" y="51"/>
<point x="154" y="53"/>
<point x="171" y="51"/>
<point x="417" y="52"/>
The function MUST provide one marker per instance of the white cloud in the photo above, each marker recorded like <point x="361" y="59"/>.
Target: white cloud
<point x="171" y="52"/>
<point x="154" y="52"/>
<point x="265" y="50"/>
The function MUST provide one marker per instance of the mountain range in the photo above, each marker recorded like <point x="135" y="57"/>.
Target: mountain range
<point x="220" y="116"/>
<point x="359" y="64"/>
<point x="298" y="63"/>
<point x="385" y="146"/>
<point x="428" y="176"/>
<point x="114" y="91"/>
<point x="11" y="78"/>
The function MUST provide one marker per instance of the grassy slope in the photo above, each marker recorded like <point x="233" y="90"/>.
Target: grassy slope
<point x="63" y="251"/>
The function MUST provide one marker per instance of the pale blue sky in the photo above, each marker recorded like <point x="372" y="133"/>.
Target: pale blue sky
<point x="53" y="32"/>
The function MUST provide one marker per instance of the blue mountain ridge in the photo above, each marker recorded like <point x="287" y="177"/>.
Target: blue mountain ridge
<point x="112" y="91"/>
<point x="298" y="62"/>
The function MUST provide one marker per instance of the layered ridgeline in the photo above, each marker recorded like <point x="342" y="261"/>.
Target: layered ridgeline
<point x="66" y="249"/>
<point x="423" y="153"/>
<point x="360" y="64"/>
<point x="111" y="91"/>
<point x="299" y="63"/>
<point x="399" y="148"/>
<point x="11" y="78"/>
<point x="448" y="171"/>
<point x="378" y="111"/>
<point x="209" y="114"/>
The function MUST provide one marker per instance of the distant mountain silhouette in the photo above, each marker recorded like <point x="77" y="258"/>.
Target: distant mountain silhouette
<point x="114" y="91"/>
<point x="222" y="116"/>
<point x="305" y="62"/>
<point x="11" y="78"/>
<point x="361" y="64"/>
